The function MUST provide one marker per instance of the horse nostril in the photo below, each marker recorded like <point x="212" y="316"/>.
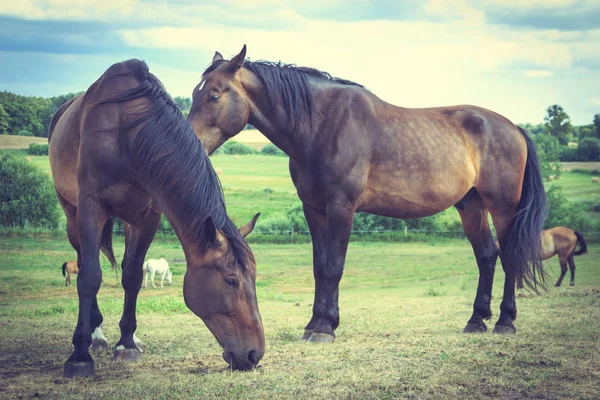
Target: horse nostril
<point x="253" y="357"/>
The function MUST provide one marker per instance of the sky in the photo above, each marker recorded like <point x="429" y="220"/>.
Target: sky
<point x="515" y="57"/>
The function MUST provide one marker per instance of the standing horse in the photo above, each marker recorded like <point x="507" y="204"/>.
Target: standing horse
<point x="124" y="150"/>
<point x="563" y="242"/>
<point x="350" y="151"/>
<point x="69" y="268"/>
<point x="151" y="267"/>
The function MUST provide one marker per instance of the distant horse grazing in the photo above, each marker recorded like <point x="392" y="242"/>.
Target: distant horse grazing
<point x="69" y="268"/>
<point x="123" y="150"/>
<point x="563" y="242"/>
<point x="151" y="267"/>
<point x="350" y="151"/>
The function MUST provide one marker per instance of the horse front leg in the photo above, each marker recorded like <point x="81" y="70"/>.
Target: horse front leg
<point x="90" y="223"/>
<point x="317" y="224"/>
<point x="139" y="240"/>
<point x="339" y="226"/>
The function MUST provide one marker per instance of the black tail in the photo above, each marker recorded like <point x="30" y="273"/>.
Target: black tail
<point x="106" y="244"/>
<point x="582" y="244"/>
<point x="64" y="268"/>
<point x="522" y="248"/>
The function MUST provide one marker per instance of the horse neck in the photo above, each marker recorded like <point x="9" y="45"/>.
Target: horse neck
<point x="275" y="124"/>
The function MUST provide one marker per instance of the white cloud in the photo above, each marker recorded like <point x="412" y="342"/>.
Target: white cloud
<point x="536" y="73"/>
<point x="533" y="3"/>
<point x="70" y="9"/>
<point x="595" y="101"/>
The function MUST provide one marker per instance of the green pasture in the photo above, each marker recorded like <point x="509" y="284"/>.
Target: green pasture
<point x="403" y="306"/>
<point x="260" y="183"/>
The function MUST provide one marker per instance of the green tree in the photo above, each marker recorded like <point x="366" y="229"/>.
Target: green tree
<point x="589" y="148"/>
<point x="597" y="124"/>
<point x="558" y="124"/>
<point x="4" y="118"/>
<point x="27" y="195"/>
<point x="548" y="150"/>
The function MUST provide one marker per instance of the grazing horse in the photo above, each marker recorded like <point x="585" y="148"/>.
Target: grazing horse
<point x="151" y="267"/>
<point x="563" y="242"/>
<point x="123" y="150"/>
<point x="351" y="151"/>
<point x="69" y="268"/>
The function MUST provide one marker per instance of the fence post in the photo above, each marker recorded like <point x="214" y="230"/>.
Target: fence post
<point x="405" y="231"/>
<point x="292" y="235"/>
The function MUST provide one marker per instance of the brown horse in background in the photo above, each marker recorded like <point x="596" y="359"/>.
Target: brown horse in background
<point x="69" y="268"/>
<point x="124" y="150"/>
<point x="563" y="242"/>
<point x="351" y="151"/>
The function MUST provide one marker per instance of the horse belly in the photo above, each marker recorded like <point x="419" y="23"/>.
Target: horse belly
<point x="399" y="194"/>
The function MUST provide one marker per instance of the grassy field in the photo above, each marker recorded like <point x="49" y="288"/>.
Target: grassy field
<point x="259" y="183"/>
<point x="19" y="142"/>
<point x="403" y="307"/>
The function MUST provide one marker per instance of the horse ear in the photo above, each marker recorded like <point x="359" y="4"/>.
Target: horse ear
<point x="217" y="56"/>
<point x="236" y="62"/>
<point x="246" y="229"/>
<point x="212" y="234"/>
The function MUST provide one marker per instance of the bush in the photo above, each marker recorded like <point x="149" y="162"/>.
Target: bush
<point x="24" y="133"/>
<point x="589" y="149"/>
<point x="233" y="147"/>
<point x="38" y="149"/>
<point x="562" y="212"/>
<point x="569" y="154"/>
<point x="27" y="195"/>
<point x="272" y="150"/>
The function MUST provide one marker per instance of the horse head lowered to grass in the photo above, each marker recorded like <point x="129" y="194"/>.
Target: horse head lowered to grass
<point x="124" y="150"/>
<point x="351" y="151"/>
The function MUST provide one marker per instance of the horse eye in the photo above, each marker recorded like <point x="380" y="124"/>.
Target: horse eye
<point x="214" y="97"/>
<point x="230" y="282"/>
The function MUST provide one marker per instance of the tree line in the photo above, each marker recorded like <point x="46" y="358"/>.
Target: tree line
<point x="557" y="139"/>
<point x="30" y="115"/>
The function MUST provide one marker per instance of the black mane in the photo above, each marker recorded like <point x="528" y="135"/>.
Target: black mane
<point x="167" y="155"/>
<point x="288" y="85"/>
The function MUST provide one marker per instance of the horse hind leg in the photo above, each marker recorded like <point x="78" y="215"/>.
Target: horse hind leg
<point x="474" y="218"/>
<point x="572" y="267"/>
<point x="563" y="271"/>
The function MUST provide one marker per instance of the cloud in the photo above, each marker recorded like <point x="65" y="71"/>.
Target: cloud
<point x="538" y="73"/>
<point x="566" y="15"/>
<point x="595" y="101"/>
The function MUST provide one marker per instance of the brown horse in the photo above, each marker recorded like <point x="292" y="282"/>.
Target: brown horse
<point x="124" y="150"/>
<point x="563" y="242"/>
<point x="350" y="151"/>
<point x="69" y="268"/>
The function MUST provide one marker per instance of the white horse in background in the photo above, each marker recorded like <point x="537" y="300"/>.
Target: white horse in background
<point x="157" y="266"/>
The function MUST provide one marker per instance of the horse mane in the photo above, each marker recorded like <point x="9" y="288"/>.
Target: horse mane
<point x="289" y="86"/>
<point x="167" y="155"/>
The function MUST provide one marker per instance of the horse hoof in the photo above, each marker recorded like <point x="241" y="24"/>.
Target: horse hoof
<point x="505" y="330"/>
<point x="317" y="337"/>
<point x="78" y="368"/>
<point x="307" y="334"/>
<point x="99" y="345"/>
<point x="123" y="354"/>
<point x="475" y="328"/>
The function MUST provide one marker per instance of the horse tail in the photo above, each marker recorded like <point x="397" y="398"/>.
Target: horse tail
<point x="106" y="243"/>
<point x="522" y="247"/>
<point x="582" y="244"/>
<point x="64" y="269"/>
